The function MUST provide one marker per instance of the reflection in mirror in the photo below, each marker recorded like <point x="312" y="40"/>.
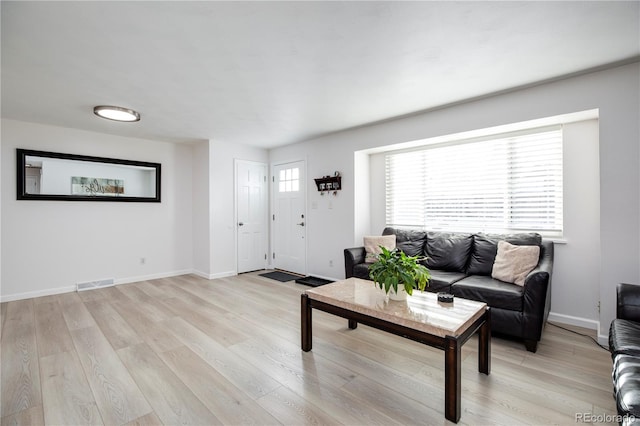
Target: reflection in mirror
<point x="70" y="177"/>
<point x="56" y="176"/>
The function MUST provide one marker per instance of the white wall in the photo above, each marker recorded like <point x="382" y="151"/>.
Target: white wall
<point x="201" y="200"/>
<point x="615" y="92"/>
<point x="49" y="246"/>
<point x="577" y="269"/>
<point x="378" y="196"/>
<point x="1" y="180"/>
<point x="214" y="205"/>
<point x="364" y="197"/>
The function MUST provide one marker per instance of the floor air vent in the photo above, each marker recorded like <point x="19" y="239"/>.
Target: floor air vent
<point x="90" y="285"/>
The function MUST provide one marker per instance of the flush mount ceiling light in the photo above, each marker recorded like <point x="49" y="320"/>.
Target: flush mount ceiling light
<point x="116" y="113"/>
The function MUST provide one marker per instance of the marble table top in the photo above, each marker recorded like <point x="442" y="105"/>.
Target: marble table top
<point x="421" y="311"/>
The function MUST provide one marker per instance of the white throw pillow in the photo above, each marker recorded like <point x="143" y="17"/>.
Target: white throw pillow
<point x="513" y="263"/>
<point x="372" y="246"/>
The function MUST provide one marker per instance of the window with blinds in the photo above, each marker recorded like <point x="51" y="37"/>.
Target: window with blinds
<point x="508" y="183"/>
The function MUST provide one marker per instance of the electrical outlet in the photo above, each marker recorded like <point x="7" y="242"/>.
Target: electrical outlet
<point x="143" y="260"/>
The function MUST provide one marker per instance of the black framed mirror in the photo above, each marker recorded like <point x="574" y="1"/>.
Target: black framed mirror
<point x="43" y="175"/>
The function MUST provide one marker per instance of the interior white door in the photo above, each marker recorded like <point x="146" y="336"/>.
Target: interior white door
<point x="289" y="219"/>
<point x="32" y="180"/>
<point x="32" y="184"/>
<point x="251" y="187"/>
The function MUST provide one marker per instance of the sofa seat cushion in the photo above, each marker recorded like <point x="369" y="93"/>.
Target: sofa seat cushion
<point x="624" y="337"/>
<point x="494" y="293"/>
<point x="441" y="280"/>
<point x="361" y="270"/>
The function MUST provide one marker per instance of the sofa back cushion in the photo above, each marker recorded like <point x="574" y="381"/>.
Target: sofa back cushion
<point x="410" y="241"/>
<point x="485" y="248"/>
<point x="448" y="251"/>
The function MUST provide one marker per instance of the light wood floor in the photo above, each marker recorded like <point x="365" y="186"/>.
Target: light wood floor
<point x="186" y="350"/>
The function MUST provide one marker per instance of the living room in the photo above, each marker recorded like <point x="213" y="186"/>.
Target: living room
<point x="48" y="247"/>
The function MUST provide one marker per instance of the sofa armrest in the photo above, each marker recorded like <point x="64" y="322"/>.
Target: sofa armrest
<point x="537" y="293"/>
<point x="352" y="257"/>
<point x="628" y="302"/>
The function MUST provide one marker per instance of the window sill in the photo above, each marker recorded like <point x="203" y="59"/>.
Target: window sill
<point x="557" y="240"/>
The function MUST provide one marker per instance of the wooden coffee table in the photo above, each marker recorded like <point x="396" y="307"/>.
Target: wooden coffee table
<point x="421" y="318"/>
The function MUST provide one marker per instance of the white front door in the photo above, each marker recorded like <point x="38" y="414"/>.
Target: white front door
<point x="289" y="219"/>
<point x="251" y="188"/>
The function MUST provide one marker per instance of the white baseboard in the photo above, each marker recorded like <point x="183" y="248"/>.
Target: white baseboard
<point x="603" y="339"/>
<point x="577" y="321"/>
<point x="324" y="277"/>
<point x="72" y="288"/>
<point x="152" y="276"/>
<point x="214" y="276"/>
<point x="38" y="293"/>
<point x="200" y="274"/>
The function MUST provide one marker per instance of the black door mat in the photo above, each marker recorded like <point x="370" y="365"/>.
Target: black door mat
<point x="280" y="276"/>
<point x="313" y="281"/>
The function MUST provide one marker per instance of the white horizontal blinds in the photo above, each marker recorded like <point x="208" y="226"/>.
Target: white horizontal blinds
<point x="535" y="193"/>
<point x="406" y="174"/>
<point x="511" y="183"/>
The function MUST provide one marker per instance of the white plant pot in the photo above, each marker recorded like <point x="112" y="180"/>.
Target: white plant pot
<point x="400" y="296"/>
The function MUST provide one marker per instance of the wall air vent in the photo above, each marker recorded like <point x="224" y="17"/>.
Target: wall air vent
<point x="90" y="285"/>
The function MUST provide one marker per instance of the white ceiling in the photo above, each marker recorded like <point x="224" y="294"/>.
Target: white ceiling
<point x="273" y="73"/>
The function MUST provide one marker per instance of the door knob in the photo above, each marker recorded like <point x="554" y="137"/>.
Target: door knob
<point x="240" y="224"/>
<point x="300" y="224"/>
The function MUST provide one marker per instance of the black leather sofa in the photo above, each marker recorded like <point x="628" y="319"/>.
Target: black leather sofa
<point x="461" y="264"/>
<point x="624" y="344"/>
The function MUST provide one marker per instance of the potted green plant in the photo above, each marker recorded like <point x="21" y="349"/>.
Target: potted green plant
<point x="398" y="274"/>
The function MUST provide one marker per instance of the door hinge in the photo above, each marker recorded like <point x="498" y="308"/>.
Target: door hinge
<point x="265" y="256"/>
<point x="273" y="178"/>
<point x="598" y="306"/>
<point x="274" y="217"/>
<point x="274" y="255"/>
